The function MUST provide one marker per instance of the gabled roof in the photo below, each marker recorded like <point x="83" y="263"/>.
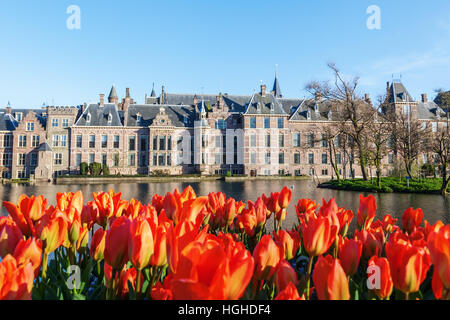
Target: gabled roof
<point x="318" y="111"/>
<point x="44" y="147"/>
<point x="399" y="93"/>
<point x="99" y="116"/>
<point x="148" y="113"/>
<point x="290" y="105"/>
<point x="429" y="111"/>
<point x="264" y="105"/>
<point x="7" y="122"/>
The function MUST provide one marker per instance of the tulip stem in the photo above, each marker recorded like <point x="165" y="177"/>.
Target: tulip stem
<point x="44" y="266"/>
<point x="138" y="284"/>
<point x="308" y="277"/>
<point x="407" y="296"/>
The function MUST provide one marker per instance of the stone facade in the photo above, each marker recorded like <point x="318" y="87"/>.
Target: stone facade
<point x="174" y="134"/>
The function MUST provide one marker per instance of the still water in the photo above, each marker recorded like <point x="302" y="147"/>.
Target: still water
<point x="435" y="207"/>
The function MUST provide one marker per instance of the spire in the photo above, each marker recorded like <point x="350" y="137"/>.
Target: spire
<point x="276" y="85"/>
<point x="153" y="94"/>
<point x="113" y="94"/>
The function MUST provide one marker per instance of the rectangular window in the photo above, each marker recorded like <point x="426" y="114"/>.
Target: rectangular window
<point x="64" y="140"/>
<point x="155" y="143"/>
<point x="55" y="140"/>
<point x="132" y="143"/>
<point x="91" y="158"/>
<point x="280" y="123"/>
<point x="324" y="142"/>
<point x="116" y="160"/>
<point x="311" y="158"/>
<point x="180" y="144"/>
<point x="435" y="127"/>
<point x="155" y="160"/>
<point x="104" y="159"/>
<point x="143" y="160"/>
<point x="21" y="159"/>
<point x="296" y="140"/>
<point x="266" y="123"/>
<point x="169" y="143"/>
<point x="57" y="159"/>
<point x="338" y="159"/>
<point x="132" y="160"/>
<point x="297" y="158"/>
<point x="161" y="160"/>
<point x="253" y="123"/>
<point x="79" y="141"/>
<point x="104" y="141"/>
<point x="116" y="142"/>
<point x="253" y="140"/>
<point x="391" y="159"/>
<point x="30" y="126"/>
<point x="218" y="139"/>
<point x="162" y="143"/>
<point x="324" y="158"/>
<point x="65" y="123"/>
<point x="7" y="141"/>
<point x="143" y="143"/>
<point x="78" y="159"/>
<point x="55" y="123"/>
<point x="281" y="141"/>
<point x="91" y="141"/>
<point x="268" y="140"/>
<point x="7" y="159"/>
<point x="18" y="116"/>
<point x="217" y="158"/>
<point x="22" y="141"/>
<point x="311" y="140"/>
<point x="34" y="159"/>
<point x="325" y="172"/>
<point x="253" y="158"/>
<point x="281" y="158"/>
<point x="35" y="141"/>
<point x="268" y="158"/>
<point x="169" y="159"/>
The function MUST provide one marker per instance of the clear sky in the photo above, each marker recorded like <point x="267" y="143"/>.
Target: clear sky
<point x="214" y="46"/>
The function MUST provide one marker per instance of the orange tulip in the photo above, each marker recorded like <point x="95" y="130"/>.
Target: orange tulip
<point x="107" y="206"/>
<point x="229" y="212"/>
<point x="214" y="268"/>
<point x="140" y="243"/>
<point x="289" y="293"/>
<point x="330" y="280"/>
<point x="247" y="222"/>
<point x="285" y="197"/>
<point x="345" y="218"/>
<point x="305" y="208"/>
<point x="372" y="241"/>
<point x="27" y="212"/>
<point x="366" y="212"/>
<point x="384" y="290"/>
<point x="98" y="245"/>
<point x="318" y="235"/>
<point x="267" y="255"/>
<point x="116" y="243"/>
<point x="272" y="204"/>
<point x="330" y="210"/>
<point x="52" y="230"/>
<point x="29" y="251"/>
<point x="16" y="282"/>
<point x="286" y="243"/>
<point x="349" y="255"/>
<point x="163" y="291"/>
<point x="285" y="274"/>
<point x="159" y="257"/>
<point x="412" y="219"/>
<point x="10" y="236"/>
<point x="409" y="264"/>
<point x="439" y="246"/>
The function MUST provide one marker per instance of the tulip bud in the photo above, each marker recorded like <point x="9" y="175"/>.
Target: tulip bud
<point x="98" y="245"/>
<point x="10" y="235"/>
<point x="267" y="256"/>
<point x="116" y="243"/>
<point x="349" y="254"/>
<point x="284" y="275"/>
<point x="330" y="279"/>
<point x="74" y="232"/>
<point x="140" y="243"/>
<point x="29" y="251"/>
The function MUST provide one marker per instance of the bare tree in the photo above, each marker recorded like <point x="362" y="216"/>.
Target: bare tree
<point x="329" y="136"/>
<point x="356" y="113"/>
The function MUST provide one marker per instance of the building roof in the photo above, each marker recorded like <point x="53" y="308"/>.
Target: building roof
<point x="113" y="93"/>
<point x="176" y="113"/>
<point x="276" y="88"/>
<point x="44" y="147"/>
<point x="7" y="122"/>
<point x="265" y="105"/>
<point x="99" y="116"/>
<point x="312" y="110"/>
<point x="399" y="93"/>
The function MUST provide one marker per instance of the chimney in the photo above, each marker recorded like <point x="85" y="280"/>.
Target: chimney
<point x="263" y="89"/>
<point x="388" y="88"/>
<point x="127" y="93"/>
<point x="8" y="110"/>
<point x="163" y="95"/>
<point x="424" y="98"/>
<point x="102" y="99"/>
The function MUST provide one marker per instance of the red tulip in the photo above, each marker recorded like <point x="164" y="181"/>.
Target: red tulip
<point x="439" y="246"/>
<point x="16" y="282"/>
<point x="305" y="208"/>
<point x="98" y="245"/>
<point x="349" y="254"/>
<point x="10" y="236"/>
<point x="29" y="251"/>
<point x="285" y="274"/>
<point x="372" y="241"/>
<point x="52" y="230"/>
<point x="163" y="291"/>
<point x="289" y="293"/>
<point x="229" y="212"/>
<point x="140" y="243"/>
<point x="384" y="277"/>
<point x="318" y="236"/>
<point x="285" y="197"/>
<point x="366" y="212"/>
<point x="409" y="264"/>
<point x="267" y="256"/>
<point x="116" y="243"/>
<point x="159" y="257"/>
<point x="330" y="280"/>
<point x="107" y="206"/>
<point x="412" y="219"/>
<point x="247" y="222"/>
<point x="286" y="243"/>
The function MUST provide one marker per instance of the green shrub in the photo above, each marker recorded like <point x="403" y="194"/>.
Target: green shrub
<point x="84" y="169"/>
<point x="228" y="173"/>
<point x="95" y="169"/>
<point x="105" y="170"/>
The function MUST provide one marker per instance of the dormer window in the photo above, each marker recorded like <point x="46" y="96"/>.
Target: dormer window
<point x="109" y="118"/>
<point x="88" y="118"/>
<point x="329" y="115"/>
<point x="185" y="120"/>
<point x="18" y="116"/>
<point x="138" y="119"/>
<point x="316" y="107"/>
<point x="308" y="115"/>
<point x="272" y="107"/>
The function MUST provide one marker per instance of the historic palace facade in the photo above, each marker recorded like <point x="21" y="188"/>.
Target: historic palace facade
<point x="261" y="134"/>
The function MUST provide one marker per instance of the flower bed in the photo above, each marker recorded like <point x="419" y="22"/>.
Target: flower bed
<point x="182" y="246"/>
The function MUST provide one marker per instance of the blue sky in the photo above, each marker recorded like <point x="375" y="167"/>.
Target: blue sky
<point x="215" y="46"/>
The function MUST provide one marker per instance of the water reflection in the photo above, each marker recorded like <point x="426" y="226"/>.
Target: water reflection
<point x="435" y="207"/>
